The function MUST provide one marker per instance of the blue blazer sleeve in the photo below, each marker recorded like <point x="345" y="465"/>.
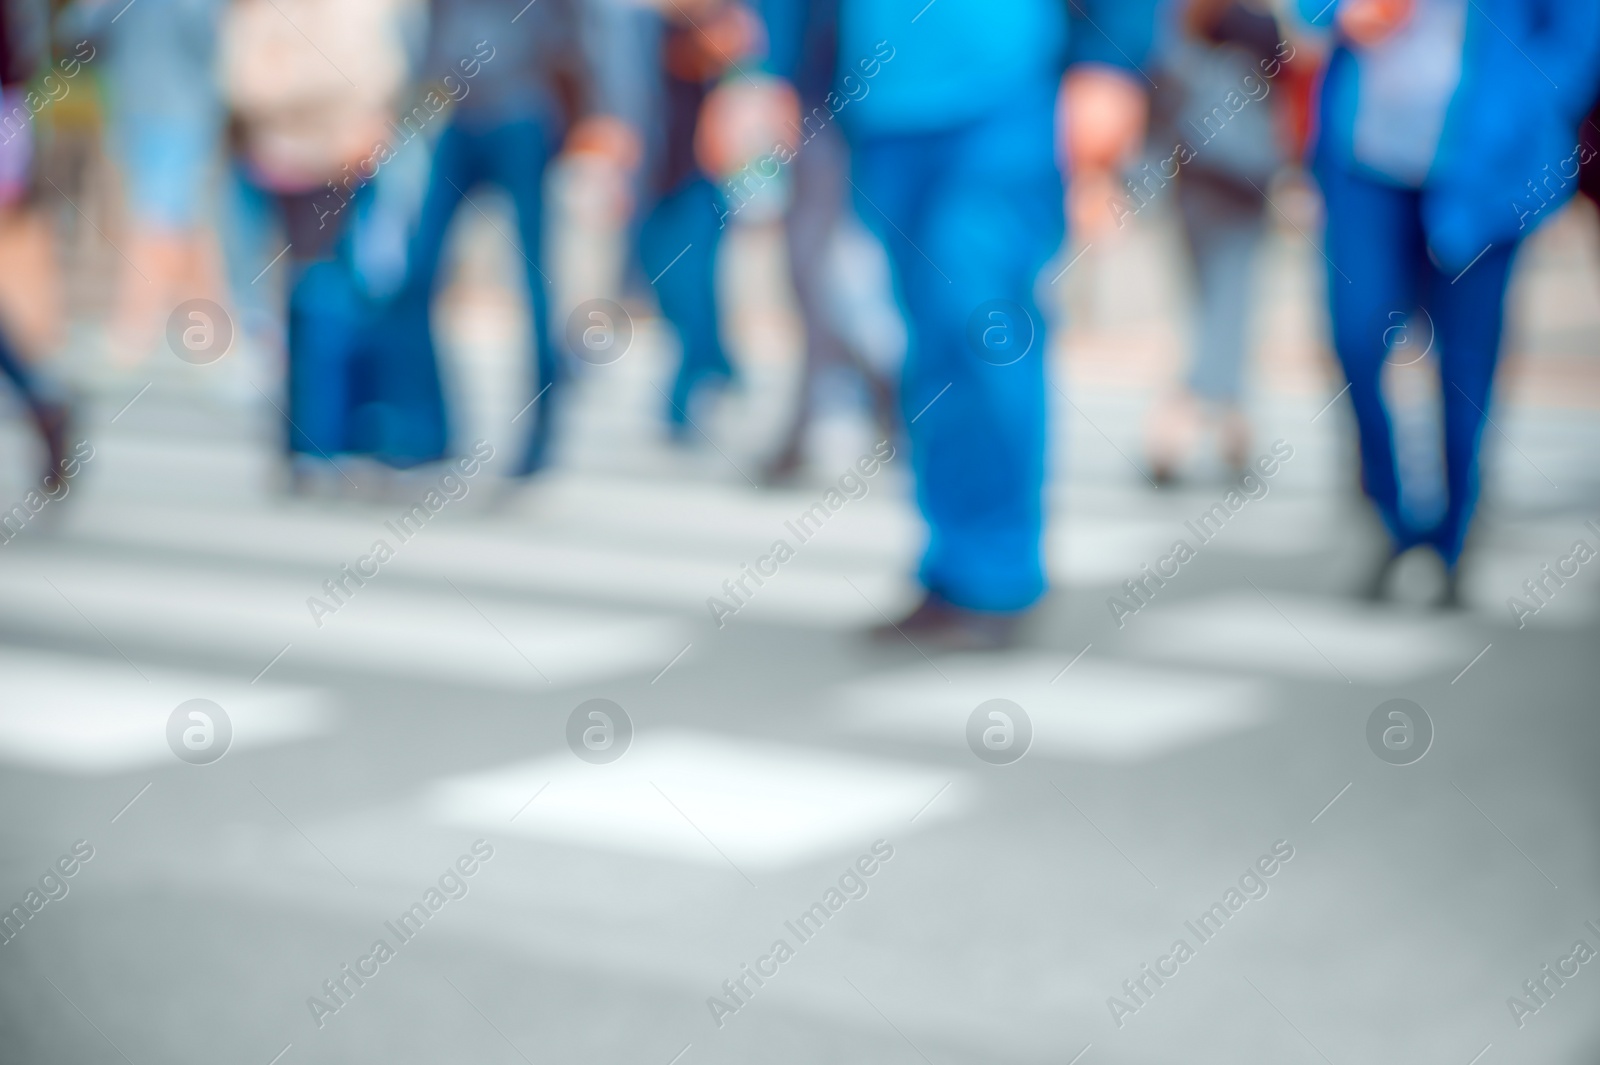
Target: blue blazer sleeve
<point x="786" y="30"/>
<point x="1564" y="47"/>
<point x="1119" y="33"/>
<point x="1318" y="12"/>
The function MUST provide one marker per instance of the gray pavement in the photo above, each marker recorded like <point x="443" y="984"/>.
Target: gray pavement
<point x="1010" y="908"/>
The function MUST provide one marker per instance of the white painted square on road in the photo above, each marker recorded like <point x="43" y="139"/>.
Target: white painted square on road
<point x="389" y="627"/>
<point x="1301" y="635"/>
<point x="702" y="798"/>
<point x="97" y="716"/>
<point x="1097" y="709"/>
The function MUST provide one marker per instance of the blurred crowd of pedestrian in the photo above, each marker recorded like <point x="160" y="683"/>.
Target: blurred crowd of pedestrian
<point x="967" y="137"/>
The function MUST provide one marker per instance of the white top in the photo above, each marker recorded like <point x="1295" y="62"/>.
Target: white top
<point x="1405" y="85"/>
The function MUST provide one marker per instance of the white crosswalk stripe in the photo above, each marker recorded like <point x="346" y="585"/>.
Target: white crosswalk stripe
<point x="703" y="798"/>
<point x="1301" y="636"/>
<point x="73" y="714"/>
<point x="384" y="628"/>
<point x="623" y="562"/>
<point x="1097" y="709"/>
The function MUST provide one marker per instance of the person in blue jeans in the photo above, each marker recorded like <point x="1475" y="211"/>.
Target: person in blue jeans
<point x="1439" y="122"/>
<point x="950" y="113"/>
<point x="511" y="151"/>
<point x="683" y="214"/>
<point x="512" y="74"/>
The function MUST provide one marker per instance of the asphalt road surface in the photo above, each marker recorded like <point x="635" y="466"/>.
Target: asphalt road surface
<point x="417" y="762"/>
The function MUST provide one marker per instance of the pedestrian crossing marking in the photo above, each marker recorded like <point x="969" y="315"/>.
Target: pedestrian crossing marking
<point x="390" y="628"/>
<point x="635" y="569"/>
<point x="71" y="714"/>
<point x="761" y="804"/>
<point x="1099" y="709"/>
<point x="1315" y="637"/>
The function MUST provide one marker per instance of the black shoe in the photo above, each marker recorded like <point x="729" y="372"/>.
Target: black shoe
<point x="1375" y="588"/>
<point x="691" y="394"/>
<point x="1450" y="598"/>
<point x="54" y="422"/>
<point x="928" y="615"/>
<point x="783" y="469"/>
<point x="534" y="461"/>
<point x="535" y="456"/>
<point x="941" y="625"/>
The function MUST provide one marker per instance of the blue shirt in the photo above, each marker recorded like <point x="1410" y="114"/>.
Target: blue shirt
<point x="920" y="65"/>
<point x="1405" y="86"/>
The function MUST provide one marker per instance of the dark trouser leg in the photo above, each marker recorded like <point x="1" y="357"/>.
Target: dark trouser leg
<point x="1377" y="254"/>
<point x="678" y="250"/>
<point x="324" y="324"/>
<point x="1468" y="314"/>
<point x="411" y="385"/>
<point x="22" y="378"/>
<point x="517" y="155"/>
<point x="819" y="172"/>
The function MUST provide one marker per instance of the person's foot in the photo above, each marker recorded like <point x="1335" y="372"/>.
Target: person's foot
<point x="308" y="477"/>
<point x="300" y="482"/>
<point x="1171" y="432"/>
<point x="507" y="494"/>
<point x="54" y="422"/>
<point x="881" y="394"/>
<point x="1450" y="598"/>
<point x="535" y="455"/>
<point x="938" y="623"/>
<point x="691" y="394"/>
<point x="1376" y="587"/>
<point x="1233" y="436"/>
<point x="783" y="468"/>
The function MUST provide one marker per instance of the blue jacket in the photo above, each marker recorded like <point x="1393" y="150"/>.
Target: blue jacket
<point x="1508" y="155"/>
<point x="912" y="65"/>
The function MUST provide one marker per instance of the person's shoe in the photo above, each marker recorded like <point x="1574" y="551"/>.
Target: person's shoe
<point x="1375" y="588"/>
<point x="881" y="394"/>
<point x="938" y="624"/>
<point x="1171" y="432"/>
<point x="783" y="468"/>
<point x="309" y="477"/>
<point x="691" y="395"/>
<point x="54" y="422"/>
<point x="507" y="494"/>
<point x="927" y="616"/>
<point x="535" y="455"/>
<point x="1450" y="598"/>
<point x="1233" y="434"/>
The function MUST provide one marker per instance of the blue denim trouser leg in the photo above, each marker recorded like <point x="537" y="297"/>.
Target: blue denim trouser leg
<point x="678" y="245"/>
<point x="1379" y="269"/>
<point x="21" y="376"/>
<point x="513" y="154"/>
<point x="969" y="216"/>
<point x="325" y="327"/>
